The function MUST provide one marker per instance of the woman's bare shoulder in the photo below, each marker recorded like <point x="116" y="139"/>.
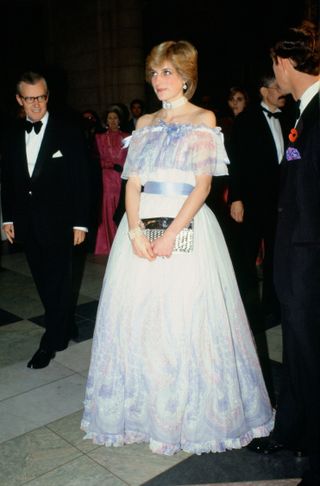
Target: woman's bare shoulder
<point x="146" y="120"/>
<point x="201" y="116"/>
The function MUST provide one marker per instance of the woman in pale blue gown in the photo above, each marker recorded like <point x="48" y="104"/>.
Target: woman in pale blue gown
<point x="173" y="360"/>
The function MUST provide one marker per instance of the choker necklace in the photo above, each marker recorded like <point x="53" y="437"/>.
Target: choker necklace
<point x="170" y="105"/>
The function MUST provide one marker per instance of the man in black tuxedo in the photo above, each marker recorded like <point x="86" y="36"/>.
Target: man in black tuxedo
<point x="296" y="63"/>
<point x="45" y="206"/>
<point x="255" y="149"/>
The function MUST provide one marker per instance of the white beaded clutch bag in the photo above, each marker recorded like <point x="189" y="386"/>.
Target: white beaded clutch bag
<point x="155" y="227"/>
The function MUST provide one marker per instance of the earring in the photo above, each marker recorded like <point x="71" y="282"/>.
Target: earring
<point x="185" y="87"/>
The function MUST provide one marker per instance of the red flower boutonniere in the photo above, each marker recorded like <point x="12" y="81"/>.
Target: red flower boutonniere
<point x="293" y="135"/>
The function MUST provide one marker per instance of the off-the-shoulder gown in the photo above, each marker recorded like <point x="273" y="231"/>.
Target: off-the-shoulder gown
<point x="173" y="360"/>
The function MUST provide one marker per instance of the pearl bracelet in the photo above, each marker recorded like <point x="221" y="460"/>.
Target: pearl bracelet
<point x="136" y="231"/>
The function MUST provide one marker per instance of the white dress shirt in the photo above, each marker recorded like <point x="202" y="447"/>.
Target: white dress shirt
<point x="276" y="131"/>
<point x="33" y="143"/>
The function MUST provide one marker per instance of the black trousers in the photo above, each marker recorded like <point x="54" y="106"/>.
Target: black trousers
<point x="298" y="412"/>
<point x="51" y="267"/>
<point x="248" y="237"/>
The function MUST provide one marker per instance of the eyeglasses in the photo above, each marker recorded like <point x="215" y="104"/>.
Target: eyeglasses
<point x="31" y="99"/>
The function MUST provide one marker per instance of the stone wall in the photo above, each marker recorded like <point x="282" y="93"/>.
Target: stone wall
<point x="98" y="45"/>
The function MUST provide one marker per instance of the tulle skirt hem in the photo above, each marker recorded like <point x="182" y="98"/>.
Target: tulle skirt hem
<point x="135" y="437"/>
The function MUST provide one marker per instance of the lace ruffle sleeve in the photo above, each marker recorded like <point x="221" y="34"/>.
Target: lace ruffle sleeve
<point x="209" y="153"/>
<point x="135" y="156"/>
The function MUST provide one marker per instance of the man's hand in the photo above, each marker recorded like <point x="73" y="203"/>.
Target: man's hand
<point x="9" y="231"/>
<point x="237" y="211"/>
<point x="78" y="236"/>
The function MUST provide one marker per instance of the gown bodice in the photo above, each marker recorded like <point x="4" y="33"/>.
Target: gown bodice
<point x="174" y="148"/>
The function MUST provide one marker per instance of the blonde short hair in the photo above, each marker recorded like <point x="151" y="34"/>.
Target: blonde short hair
<point x="182" y="55"/>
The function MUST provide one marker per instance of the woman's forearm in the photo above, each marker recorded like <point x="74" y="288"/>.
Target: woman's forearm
<point x="191" y="205"/>
<point x="133" y="192"/>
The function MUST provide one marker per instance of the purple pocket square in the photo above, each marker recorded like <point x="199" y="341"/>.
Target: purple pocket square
<point x="292" y="154"/>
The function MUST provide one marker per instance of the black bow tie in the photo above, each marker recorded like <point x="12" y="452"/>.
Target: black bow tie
<point x="276" y="114"/>
<point x="28" y="126"/>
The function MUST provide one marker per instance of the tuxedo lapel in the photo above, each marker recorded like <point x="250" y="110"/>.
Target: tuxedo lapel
<point x="309" y="114"/>
<point x="21" y="151"/>
<point x="267" y="139"/>
<point x="299" y="125"/>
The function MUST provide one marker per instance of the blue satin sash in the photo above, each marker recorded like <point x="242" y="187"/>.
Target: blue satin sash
<point x="168" y="188"/>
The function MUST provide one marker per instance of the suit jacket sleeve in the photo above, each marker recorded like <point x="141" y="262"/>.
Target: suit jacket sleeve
<point x="79" y="178"/>
<point x="237" y="154"/>
<point x="7" y="187"/>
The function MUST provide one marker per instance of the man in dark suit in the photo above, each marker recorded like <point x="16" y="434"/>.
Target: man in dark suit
<point x="45" y="206"/>
<point x="136" y="110"/>
<point x="296" y="63"/>
<point x="255" y="149"/>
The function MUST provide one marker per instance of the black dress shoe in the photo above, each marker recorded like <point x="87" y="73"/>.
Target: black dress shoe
<point x="265" y="445"/>
<point x="41" y="359"/>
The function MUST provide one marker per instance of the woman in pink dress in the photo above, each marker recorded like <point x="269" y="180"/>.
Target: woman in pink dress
<point x="112" y="156"/>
